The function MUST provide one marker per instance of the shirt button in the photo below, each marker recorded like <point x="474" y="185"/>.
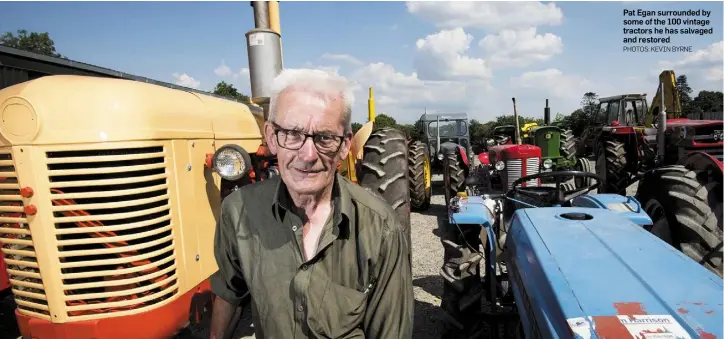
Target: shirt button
<point x="304" y="267"/>
<point x="300" y="308"/>
<point x="294" y="228"/>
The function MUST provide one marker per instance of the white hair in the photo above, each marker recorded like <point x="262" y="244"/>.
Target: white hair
<point x="315" y="81"/>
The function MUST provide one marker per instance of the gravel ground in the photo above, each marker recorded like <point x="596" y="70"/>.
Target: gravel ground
<point x="427" y="258"/>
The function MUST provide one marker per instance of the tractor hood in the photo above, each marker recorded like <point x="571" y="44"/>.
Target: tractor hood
<point x="65" y="109"/>
<point x="606" y="277"/>
<point x="512" y="151"/>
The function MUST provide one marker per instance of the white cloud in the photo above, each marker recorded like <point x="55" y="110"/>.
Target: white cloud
<point x="223" y="70"/>
<point x="701" y="66"/>
<point x="486" y="15"/>
<point x="441" y="56"/>
<point x="552" y="81"/>
<point x="342" y="57"/>
<point x="406" y="96"/>
<point x="186" y="80"/>
<point x="519" y="48"/>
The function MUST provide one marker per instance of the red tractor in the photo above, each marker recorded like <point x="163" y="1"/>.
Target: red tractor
<point x="677" y="162"/>
<point x="505" y="161"/>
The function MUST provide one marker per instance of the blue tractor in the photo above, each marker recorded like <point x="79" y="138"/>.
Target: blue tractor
<point x="559" y="262"/>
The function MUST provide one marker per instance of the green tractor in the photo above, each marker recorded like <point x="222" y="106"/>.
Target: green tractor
<point x="558" y="147"/>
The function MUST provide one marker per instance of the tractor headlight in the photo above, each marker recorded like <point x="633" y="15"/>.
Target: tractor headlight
<point x="499" y="165"/>
<point x="439" y="156"/>
<point x="548" y="163"/>
<point x="231" y="162"/>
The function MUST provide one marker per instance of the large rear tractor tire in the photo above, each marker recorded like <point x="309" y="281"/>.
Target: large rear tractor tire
<point x="568" y="145"/>
<point x="420" y="176"/>
<point x="611" y="166"/>
<point x="686" y="208"/>
<point x="453" y="175"/>
<point x="384" y="170"/>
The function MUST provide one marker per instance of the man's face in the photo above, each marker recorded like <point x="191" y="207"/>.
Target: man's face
<point x="307" y="170"/>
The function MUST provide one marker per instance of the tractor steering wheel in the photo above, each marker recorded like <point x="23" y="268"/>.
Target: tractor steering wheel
<point x="551" y="196"/>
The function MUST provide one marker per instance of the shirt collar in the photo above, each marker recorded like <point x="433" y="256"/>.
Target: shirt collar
<point x="341" y="200"/>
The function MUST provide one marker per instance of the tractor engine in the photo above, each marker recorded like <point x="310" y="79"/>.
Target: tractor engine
<point x="512" y="162"/>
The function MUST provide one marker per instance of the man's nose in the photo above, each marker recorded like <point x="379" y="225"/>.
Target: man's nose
<point x="308" y="152"/>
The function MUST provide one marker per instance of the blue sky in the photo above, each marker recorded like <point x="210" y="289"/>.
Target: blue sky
<point x="439" y="56"/>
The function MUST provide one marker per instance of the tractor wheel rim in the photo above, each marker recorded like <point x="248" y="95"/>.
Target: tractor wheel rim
<point x="427" y="174"/>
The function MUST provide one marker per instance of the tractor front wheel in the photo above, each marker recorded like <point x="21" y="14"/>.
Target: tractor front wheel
<point x="611" y="166"/>
<point x="420" y="176"/>
<point x="384" y="170"/>
<point x="686" y="208"/>
<point x="453" y="175"/>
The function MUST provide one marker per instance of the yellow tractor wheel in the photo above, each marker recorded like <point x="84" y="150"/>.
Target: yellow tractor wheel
<point x="420" y="177"/>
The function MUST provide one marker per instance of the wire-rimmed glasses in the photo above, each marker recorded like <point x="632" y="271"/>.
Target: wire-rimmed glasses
<point x="294" y="140"/>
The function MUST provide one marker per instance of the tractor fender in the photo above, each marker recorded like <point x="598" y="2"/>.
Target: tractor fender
<point x="360" y="139"/>
<point x="484" y="158"/>
<point x="627" y="207"/>
<point x="464" y="155"/>
<point x="4" y="277"/>
<point x="472" y="210"/>
<point x="700" y="161"/>
<point x="455" y="148"/>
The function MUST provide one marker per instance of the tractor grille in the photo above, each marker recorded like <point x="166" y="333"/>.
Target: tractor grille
<point x="532" y="167"/>
<point x="113" y="229"/>
<point x="17" y="243"/>
<point x="514" y="169"/>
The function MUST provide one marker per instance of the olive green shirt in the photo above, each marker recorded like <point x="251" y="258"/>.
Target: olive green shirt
<point x="358" y="285"/>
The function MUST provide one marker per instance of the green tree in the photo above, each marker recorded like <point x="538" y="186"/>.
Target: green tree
<point x="589" y="102"/>
<point x="682" y="84"/>
<point x="410" y="130"/>
<point x="35" y="42"/>
<point x="229" y="91"/>
<point x="708" y="102"/>
<point x="355" y="127"/>
<point x="477" y="132"/>
<point x="383" y="120"/>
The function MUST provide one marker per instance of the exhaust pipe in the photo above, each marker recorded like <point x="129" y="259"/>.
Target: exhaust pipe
<point x="547" y="115"/>
<point x="660" y="133"/>
<point x="264" y="52"/>
<point x="437" y="134"/>
<point x="517" y="124"/>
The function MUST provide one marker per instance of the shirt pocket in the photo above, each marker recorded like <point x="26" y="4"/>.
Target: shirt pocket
<point x="339" y="309"/>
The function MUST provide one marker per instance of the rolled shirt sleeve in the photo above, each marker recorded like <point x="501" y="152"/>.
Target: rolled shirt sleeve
<point x="228" y="282"/>
<point x="391" y="305"/>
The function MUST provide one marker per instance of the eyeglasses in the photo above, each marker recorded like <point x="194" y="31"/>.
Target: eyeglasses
<point x="294" y="140"/>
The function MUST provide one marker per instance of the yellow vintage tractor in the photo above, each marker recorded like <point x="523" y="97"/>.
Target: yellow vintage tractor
<point x="110" y="190"/>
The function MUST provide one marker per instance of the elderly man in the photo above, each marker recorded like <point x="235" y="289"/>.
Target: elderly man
<point x="320" y="256"/>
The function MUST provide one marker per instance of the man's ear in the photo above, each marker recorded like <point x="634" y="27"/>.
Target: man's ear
<point x="346" y="146"/>
<point x="271" y="141"/>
